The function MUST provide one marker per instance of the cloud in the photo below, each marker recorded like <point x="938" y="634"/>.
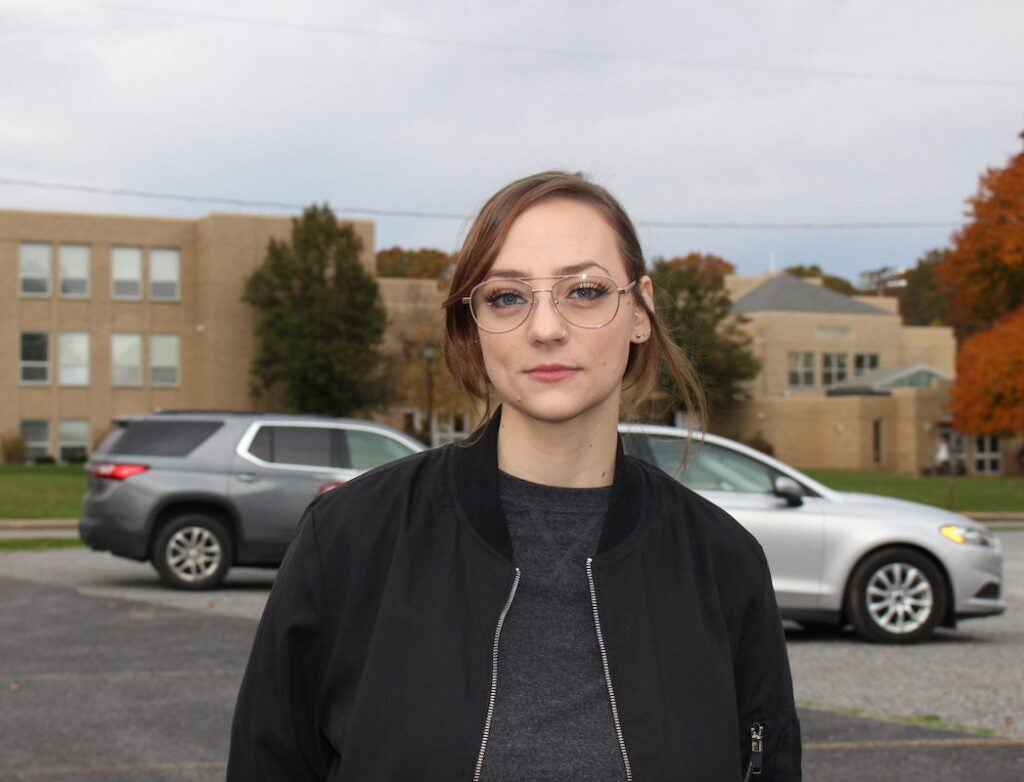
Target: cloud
<point x="738" y="111"/>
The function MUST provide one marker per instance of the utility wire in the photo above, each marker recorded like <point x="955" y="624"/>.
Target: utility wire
<point x="244" y="202"/>
<point x="557" y="52"/>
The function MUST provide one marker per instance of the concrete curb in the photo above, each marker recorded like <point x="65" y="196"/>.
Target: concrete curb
<point x="38" y="524"/>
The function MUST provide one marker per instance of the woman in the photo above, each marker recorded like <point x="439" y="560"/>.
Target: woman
<point x="532" y="604"/>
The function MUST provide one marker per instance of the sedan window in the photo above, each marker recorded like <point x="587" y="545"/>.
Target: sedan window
<point x="720" y="469"/>
<point x="711" y="467"/>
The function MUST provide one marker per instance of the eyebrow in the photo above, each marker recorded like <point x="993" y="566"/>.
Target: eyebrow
<point x="576" y="268"/>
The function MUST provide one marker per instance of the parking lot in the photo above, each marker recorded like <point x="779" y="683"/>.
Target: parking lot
<point x="105" y="674"/>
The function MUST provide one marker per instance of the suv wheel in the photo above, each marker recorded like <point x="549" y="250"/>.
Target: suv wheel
<point x="193" y="551"/>
<point x="896" y="595"/>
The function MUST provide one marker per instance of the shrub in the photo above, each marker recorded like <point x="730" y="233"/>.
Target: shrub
<point x="47" y="459"/>
<point x="14" y="449"/>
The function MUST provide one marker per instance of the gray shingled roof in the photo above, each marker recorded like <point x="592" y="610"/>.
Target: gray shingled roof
<point x="787" y="293"/>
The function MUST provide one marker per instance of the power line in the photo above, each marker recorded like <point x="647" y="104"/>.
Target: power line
<point x="499" y="46"/>
<point x="244" y="202"/>
<point x="201" y="199"/>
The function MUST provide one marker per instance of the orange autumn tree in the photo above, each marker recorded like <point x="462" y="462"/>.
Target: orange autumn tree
<point x="988" y="397"/>
<point x="425" y="263"/>
<point x="984" y="273"/>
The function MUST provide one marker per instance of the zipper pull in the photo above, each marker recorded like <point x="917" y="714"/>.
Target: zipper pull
<point x="756" y="748"/>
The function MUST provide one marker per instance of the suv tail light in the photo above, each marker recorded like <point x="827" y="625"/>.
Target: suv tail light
<point x="328" y="486"/>
<point x="116" y="472"/>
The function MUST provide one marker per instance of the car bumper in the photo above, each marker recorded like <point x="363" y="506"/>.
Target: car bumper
<point x="978" y="582"/>
<point x="100" y="534"/>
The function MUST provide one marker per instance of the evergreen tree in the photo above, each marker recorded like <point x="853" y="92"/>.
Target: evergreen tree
<point x="925" y="301"/>
<point x="695" y="305"/>
<point x="320" y="320"/>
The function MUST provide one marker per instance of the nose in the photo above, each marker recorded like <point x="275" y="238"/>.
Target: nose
<point x="545" y="323"/>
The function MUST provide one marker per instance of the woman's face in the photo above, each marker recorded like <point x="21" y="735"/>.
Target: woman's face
<point x="547" y="369"/>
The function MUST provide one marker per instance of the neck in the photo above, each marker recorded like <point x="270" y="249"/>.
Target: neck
<point x="575" y="454"/>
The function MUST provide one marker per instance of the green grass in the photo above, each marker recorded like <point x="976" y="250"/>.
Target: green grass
<point x="42" y="491"/>
<point x="991" y="495"/>
<point x="38" y="544"/>
<point x="55" y="491"/>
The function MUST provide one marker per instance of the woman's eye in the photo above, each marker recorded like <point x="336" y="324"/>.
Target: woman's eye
<point x="588" y="292"/>
<point x="505" y="298"/>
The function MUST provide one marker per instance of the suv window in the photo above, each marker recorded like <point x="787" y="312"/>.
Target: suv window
<point x="159" y="438"/>
<point x="317" y="446"/>
<point x="369" y="450"/>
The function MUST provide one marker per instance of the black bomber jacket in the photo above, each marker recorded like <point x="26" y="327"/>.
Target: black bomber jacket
<point x="376" y="655"/>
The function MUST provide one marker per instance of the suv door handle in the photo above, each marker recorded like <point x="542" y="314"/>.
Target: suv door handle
<point x="246" y="477"/>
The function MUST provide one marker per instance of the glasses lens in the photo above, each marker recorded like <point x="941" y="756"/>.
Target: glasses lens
<point x="587" y="300"/>
<point x="501" y="305"/>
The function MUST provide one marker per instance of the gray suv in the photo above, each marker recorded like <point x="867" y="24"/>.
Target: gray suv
<point x="196" y="493"/>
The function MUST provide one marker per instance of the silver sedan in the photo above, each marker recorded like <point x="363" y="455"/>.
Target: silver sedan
<point x="893" y="569"/>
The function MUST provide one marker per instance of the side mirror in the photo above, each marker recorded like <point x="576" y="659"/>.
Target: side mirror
<point x="789" y="490"/>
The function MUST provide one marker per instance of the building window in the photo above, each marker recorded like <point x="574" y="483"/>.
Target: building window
<point x="164" y="274"/>
<point x="34" y="269"/>
<point x="164" y="360"/>
<point x="74" y="440"/>
<point x="864" y="362"/>
<point x="36" y="435"/>
<point x="878" y="441"/>
<point x="73" y="263"/>
<point x="801" y="369"/>
<point x="126" y="272"/>
<point x="833" y="368"/>
<point x="35" y="357"/>
<point x="73" y="359"/>
<point x="126" y="354"/>
<point x="988" y="456"/>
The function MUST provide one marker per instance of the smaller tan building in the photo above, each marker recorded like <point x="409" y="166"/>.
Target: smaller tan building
<point x="844" y="385"/>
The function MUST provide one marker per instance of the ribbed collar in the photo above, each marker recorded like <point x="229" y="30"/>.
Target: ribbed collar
<point x="475" y="480"/>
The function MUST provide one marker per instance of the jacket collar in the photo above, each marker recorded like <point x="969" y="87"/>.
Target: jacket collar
<point x="475" y="467"/>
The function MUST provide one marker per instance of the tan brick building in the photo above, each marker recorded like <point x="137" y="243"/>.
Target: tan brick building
<point x="104" y="316"/>
<point x="845" y="385"/>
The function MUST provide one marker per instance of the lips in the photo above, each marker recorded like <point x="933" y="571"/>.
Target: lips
<point x="552" y="373"/>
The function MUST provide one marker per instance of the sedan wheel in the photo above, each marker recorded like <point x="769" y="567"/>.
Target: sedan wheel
<point x="193" y="552"/>
<point x="896" y="595"/>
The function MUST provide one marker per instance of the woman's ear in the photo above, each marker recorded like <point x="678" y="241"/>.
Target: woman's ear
<point x="641" y="320"/>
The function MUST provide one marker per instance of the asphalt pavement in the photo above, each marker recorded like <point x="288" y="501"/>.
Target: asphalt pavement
<point x="107" y="675"/>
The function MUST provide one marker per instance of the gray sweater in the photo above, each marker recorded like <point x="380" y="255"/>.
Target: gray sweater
<point x="552" y="716"/>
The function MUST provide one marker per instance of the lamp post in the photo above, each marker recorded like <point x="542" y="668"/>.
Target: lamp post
<point x="429" y="353"/>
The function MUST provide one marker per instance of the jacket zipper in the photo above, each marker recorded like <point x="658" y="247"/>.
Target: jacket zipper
<point x="756" y="751"/>
<point x="607" y="671"/>
<point x="494" y="678"/>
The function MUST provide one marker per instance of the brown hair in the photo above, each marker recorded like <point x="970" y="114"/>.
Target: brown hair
<point x="474" y="261"/>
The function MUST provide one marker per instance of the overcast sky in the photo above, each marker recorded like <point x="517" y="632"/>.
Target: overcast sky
<point x="690" y="112"/>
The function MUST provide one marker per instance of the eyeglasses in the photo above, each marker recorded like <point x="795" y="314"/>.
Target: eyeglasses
<point x="589" y="301"/>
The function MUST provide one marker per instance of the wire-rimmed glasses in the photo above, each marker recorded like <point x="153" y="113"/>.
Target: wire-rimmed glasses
<point x="588" y="301"/>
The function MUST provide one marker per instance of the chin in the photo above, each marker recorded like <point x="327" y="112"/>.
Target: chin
<point x="565" y="410"/>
